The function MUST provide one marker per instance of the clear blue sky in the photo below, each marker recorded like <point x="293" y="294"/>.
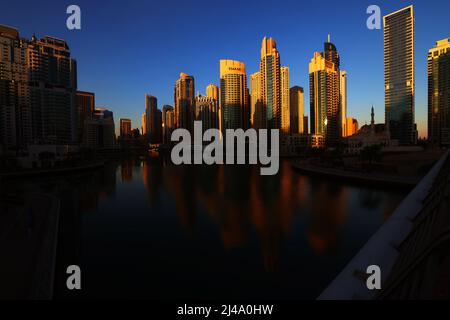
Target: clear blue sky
<point x="128" y="48"/>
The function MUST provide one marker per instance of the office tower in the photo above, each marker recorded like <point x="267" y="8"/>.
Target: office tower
<point x="144" y="124"/>
<point x="125" y="128"/>
<point x="439" y="93"/>
<point x="297" y="110"/>
<point x="343" y="102"/>
<point x="37" y="85"/>
<point x="258" y="113"/>
<point x="324" y="98"/>
<point x="212" y="91"/>
<point x="399" y="74"/>
<point x="85" y="106"/>
<point x="233" y="93"/>
<point x="151" y="106"/>
<point x="270" y="77"/>
<point x="184" y="101"/>
<point x="207" y="111"/>
<point x="100" y="130"/>
<point x="285" y="98"/>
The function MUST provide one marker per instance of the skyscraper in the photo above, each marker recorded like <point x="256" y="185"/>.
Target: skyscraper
<point x="212" y="91"/>
<point x="184" y="98"/>
<point x="207" y="111"/>
<point x="285" y="104"/>
<point x="297" y="110"/>
<point x="343" y="101"/>
<point x="125" y="128"/>
<point x="324" y="98"/>
<point x="151" y="108"/>
<point x="233" y="93"/>
<point x="258" y="113"/>
<point x="439" y="93"/>
<point x="270" y="77"/>
<point x="168" y="123"/>
<point x="399" y="74"/>
<point x="37" y="84"/>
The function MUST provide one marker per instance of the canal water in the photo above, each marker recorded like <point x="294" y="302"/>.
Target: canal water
<point x="147" y="229"/>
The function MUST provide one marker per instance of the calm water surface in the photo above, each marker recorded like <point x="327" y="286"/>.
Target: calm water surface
<point x="141" y="229"/>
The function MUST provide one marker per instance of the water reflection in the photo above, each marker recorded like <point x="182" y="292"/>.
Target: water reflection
<point x="139" y="221"/>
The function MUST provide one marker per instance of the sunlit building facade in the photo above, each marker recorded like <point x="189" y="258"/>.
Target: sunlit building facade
<point x="184" y="99"/>
<point x="212" y="91"/>
<point x="343" y="101"/>
<point x="233" y="93"/>
<point x="285" y="98"/>
<point x="439" y="93"/>
<point x="258" y="114"/>
<point x="297" y="110"/>
<point x="399" y="75"/>
<point x="324" y="99"/>
<point x="270" y="77"/>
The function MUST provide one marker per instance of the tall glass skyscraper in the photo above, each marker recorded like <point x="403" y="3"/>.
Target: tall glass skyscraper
<point x="439" y="93"/>
<point x="270" y="77"/>
<point x="399" y="75"/>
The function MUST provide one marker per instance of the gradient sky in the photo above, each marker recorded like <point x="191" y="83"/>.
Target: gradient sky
<point x="128" y="48"/>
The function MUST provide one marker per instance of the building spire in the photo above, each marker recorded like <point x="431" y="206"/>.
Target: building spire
<point x="329" y="38"/>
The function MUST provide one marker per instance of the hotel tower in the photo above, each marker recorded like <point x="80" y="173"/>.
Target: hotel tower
<point x="233" y="93"/>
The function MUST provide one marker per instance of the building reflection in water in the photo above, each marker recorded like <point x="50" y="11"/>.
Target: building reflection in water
<point x="239" y="200"/>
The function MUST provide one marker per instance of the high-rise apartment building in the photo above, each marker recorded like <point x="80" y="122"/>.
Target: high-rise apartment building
<point x="324" y="98"/>
<point x="184" y="99"/>
<point x="207" y="111"/>
<point x="270" y="77"/>
<point x="38" y="85"/>
<point x="297" y="110"/>
<point x="285" y="98"/>
<point x="233" y="93"/>
<point x="439" y="93"/>
<point x="399" y="74"/>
